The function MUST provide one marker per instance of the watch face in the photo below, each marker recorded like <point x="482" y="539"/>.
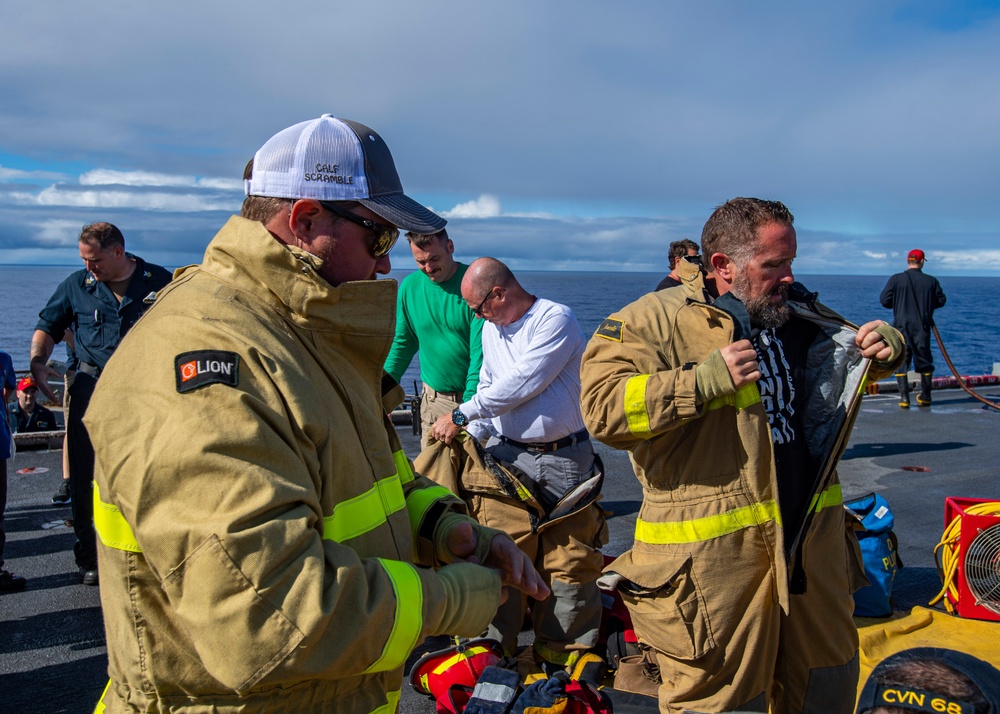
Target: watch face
<point x="458" y="418"/>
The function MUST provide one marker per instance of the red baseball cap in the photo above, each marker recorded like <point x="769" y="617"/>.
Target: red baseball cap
<point x="916" y="254"/>
<point x="26" y="384"/>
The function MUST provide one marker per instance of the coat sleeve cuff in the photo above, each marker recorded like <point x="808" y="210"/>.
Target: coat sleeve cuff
<point x="712" y="379"/>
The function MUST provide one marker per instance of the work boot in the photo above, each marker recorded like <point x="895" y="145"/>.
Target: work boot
<point x="10" y="583"/>
<point x="924" y="398"/>
<point x="903" y="382"/>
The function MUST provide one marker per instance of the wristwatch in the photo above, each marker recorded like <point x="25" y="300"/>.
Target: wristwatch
<point x="458" y="418"/>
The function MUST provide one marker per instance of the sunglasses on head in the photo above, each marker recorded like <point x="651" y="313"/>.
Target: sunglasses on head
<point x="385" y="235"/>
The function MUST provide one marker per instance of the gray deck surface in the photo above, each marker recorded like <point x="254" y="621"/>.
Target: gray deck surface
<point x="52" y="649"/>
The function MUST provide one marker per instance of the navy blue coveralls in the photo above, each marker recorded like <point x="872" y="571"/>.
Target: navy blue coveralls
<point x="99" y="323"/>
<point x="913" y="296"/>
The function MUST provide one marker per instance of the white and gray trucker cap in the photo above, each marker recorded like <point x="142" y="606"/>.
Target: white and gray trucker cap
<point x="331" y="159"/>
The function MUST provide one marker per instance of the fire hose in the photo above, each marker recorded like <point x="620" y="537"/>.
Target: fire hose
<point x="961" y="382"/>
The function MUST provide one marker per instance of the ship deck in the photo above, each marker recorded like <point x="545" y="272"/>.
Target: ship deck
<point x="52" y="647"/>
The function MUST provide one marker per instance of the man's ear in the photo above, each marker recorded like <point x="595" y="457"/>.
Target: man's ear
<point x="302" y="221"/>
<point x="722" y="266"/>
<point x="450" y="247"/>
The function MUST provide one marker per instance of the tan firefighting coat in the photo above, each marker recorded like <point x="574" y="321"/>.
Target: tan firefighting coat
<point x="708" y="553"/>
<point x="259" y="532"/>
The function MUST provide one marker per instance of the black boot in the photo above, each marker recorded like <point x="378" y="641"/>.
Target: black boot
<point x="903" y="382"/>
<point x="924" y="398"/>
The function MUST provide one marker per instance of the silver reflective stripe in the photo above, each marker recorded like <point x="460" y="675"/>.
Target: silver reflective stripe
<point x="490" y="692"/>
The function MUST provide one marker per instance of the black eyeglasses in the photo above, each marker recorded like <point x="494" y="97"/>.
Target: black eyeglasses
<point x="478" y="309"/>
<point x="385" y="236"/>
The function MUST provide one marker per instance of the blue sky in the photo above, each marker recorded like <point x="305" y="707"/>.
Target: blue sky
<point x="553" y="135"/>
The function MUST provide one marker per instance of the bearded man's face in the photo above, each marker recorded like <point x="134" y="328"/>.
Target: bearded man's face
<point x="762" y="283"/>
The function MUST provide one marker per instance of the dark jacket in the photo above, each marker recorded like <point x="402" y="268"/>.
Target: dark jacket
<point x="89" y="308"/>
<point x="913" y="296"/>
<point x="41" y="419"/>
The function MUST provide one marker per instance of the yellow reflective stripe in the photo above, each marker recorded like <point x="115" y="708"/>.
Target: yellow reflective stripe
<point x="420" y="499"/>
<point x="465" y="654"/>
<point x="565" y="659"/>
<point x="636" y="415"/>
<point x="391" y="706"/>
<point x="408" y="620"/>
<point x="833" y="496"/>
<point x="523" y="493"/>
<point x="101" y="707"/>
<point x="698" y="530"/>
<point x="403" y="467"/>
<point x="366" y="512"/>
<point x="111" y="526"/>
<point x="746" y="396"/>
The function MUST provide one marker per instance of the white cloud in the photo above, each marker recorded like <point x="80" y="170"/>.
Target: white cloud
<point x="223" y="184"/>
<point x="876" y="256"/>
<point x="58" y="233"/>
<point x="105" y="177"/>
<point x="141" y="200"/>
<point x="110" y="177"/>
<point x="486" y="206"/>
<point x="7" y="174"/>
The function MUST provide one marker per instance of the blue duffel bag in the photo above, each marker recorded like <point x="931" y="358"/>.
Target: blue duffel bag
<point x="879" y="549"/>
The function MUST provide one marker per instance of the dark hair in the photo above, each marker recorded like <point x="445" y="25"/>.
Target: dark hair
<point x="732" y="228"/>
<point x="679" y="249"/>
<point x="915" y="673"/>
<point x="422" y="240"/>
<point x="106" y="235"/>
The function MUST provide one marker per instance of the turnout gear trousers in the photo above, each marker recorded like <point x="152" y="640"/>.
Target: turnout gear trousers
<point x="734" y="621"/>
<point x="564" y="544"/>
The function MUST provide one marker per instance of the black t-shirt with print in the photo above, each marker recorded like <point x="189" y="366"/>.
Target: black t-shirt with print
<point x="781" y="355"/>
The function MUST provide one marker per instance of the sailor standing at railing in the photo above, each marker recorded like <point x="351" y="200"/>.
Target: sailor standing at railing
<point x="100" y="304"/>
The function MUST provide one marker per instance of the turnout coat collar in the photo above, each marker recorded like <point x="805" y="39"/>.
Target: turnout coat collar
<point x="245" y="252"/>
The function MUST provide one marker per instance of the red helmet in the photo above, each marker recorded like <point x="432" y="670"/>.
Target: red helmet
<point x="450" y="675"/>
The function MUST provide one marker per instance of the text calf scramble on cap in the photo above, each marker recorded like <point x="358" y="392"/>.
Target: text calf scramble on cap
<point x="331" y="159"/>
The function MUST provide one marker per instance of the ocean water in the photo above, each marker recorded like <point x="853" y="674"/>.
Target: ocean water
<point x="969" y="324"/>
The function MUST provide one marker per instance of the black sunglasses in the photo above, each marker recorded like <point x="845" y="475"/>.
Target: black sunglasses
<point x="385" y="236"/>
<point x="478" y="309"/>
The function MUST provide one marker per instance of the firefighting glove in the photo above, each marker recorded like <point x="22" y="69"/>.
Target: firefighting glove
<point x="894" y="339"/>
<point x="484" y="537"/>
<point x="471" y="598"/>
<point x="712" y="379"/>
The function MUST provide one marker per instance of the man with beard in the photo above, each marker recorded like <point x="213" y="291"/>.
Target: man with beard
<point x="736" y="401"/>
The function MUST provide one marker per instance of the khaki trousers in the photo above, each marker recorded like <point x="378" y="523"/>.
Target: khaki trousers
<point x="433" y="406"/>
